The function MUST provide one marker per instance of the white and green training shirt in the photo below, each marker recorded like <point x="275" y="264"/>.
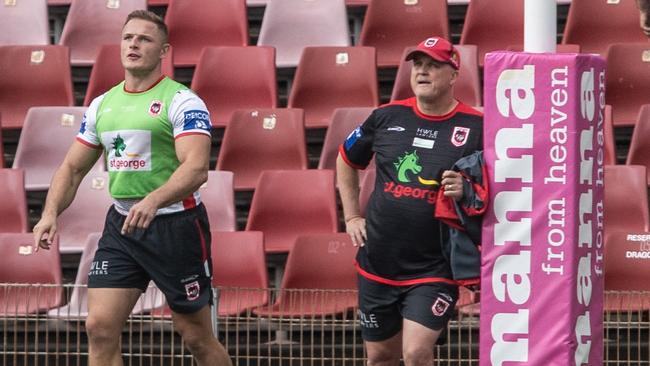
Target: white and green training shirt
<point x="137" y="132"/>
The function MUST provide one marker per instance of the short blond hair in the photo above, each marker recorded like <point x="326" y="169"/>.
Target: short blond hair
<point x="151" y="17"/>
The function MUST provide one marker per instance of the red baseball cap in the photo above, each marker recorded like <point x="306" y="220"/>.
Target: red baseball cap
<point x="438" y="49"/>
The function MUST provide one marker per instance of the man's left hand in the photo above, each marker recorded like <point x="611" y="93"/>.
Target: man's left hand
<point x="453" y="183"/>
<point x="140" y="216"/>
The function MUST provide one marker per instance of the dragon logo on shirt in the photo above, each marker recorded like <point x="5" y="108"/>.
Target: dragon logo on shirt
<point x="410" y="163"/>
<point x="118" y="145"/>
<point x="407" y="163"/>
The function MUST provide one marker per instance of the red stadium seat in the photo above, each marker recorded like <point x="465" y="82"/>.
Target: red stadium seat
<point x="585" y="25"/>
<point x="626" y="274"/>
<point x="639" y="152"/>
<point x="344" y="121"/>
<point x="195" y="24"/>
<point x="288" y="203"/>
<point x="292" y="25"/>
<point x="2" y="150"/>
<point x="262" y="139"/>
<point x="93" y="23"/>
<point x="467" y="88"/>
<point x="239" y="266"/>
<point x="231" y="78"/>
<point x="108" y="71"/>
<point x="24" y="22"/>
<point x="13" y="205"/>
<point x="218" y="196"/>
<point x="77" y="307"/>
<point x="610" y="141"/>
<point x="319" y="280"/>
<point x="33" y="76"/>
<point x="628" y="81"/>
<point x="333" y="77"/>
<point x="626" y="198"/>
<point x="31" y="282"/>
<point x="390" y="25"/>
<point x="86" y="214"/>
<point x="44" y="142"/>
<point x="493" y="25"/>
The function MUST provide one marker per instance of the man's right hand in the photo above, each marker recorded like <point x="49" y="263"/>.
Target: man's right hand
<point x="356" y="228"/>
<point x="44" y="232"/>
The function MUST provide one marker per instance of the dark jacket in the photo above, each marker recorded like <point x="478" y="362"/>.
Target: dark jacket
<point x="462" y="241"/>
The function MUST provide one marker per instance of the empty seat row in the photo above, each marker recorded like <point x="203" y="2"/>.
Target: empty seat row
<point x="320" y="278"/>
<point x="291" y="25"/>
<point x="327" y="78"/>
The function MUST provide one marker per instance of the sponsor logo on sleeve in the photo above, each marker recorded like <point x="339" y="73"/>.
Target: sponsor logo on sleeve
<point x="84" y="121"/>
<point x="353" y="137"/>
<point x="196" y="120"/>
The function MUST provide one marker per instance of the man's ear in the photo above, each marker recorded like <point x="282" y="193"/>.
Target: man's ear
<point x="164" y="50"/>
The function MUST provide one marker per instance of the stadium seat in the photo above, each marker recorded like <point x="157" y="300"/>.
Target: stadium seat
<point x="262" y="139"/>
<point x="626" y="198"/>
<point x="239" y="266"/>
<point x="37" y="274"/>
<point x="93" y="23"/>
<point x="33" y="76"/>
<point x="86" y="214"/>
<point x="158" y="2"/>
<point x="467" y="88"/>
<point x="639" y="152"/>
<point x="218" y="196"/>
<point x="24" y="23"/>
<point x="77" y="307"/>
<point x="493" y="25"/>
<point x="390" y="25"/>
<point x="319" y="279"/>
<point x="44" y="142"/>
<point x="610" y="141"/>
<point x="628" y="81"/>
<point x="288" y="203"/>
<point x="344" y="121"/>
<point x="333" y="77"/>
<point x="108" y="71"/>
<point x="13" y="205"/>
<point x="195" y="24"/>
<point x="231" y="78"/>
<point x="585" y="25"/>
<point x="2" y="149"/>
<point x="292" y="25"/>
<point x="626" y="274"/>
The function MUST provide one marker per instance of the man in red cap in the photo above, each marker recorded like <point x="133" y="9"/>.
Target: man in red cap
<point x="406" y="290"/>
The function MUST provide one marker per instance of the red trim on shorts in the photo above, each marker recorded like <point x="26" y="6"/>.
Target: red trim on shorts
<point x="415" y="281"/>
<point x="204" y="251"/>
<point x="89" y="144"/>
<point x="189" y="202"/>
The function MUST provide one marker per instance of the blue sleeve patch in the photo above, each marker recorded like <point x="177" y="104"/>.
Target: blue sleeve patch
<point x="196" y="120"/>
<point x="352" y="138"/>
<point x="84" y="121"/>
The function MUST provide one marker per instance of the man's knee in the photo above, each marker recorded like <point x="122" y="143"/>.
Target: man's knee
<point x="102" y="330"/>
<point x="383" y="357"/>
<point x="416" y="355"/>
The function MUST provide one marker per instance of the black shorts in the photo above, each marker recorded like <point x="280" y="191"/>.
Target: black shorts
<point x="382" y="307"/>
<point x="174" y="252"/>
